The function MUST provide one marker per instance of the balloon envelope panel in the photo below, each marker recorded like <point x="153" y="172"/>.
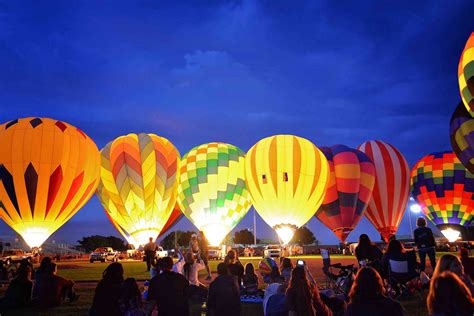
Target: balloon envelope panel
<point x="48" y="170"/>
<point x="466" y="75"/>
<point x="287" y="177"/>
<point x="139" y="183"/>
<point x="461" y="130"/>
<point x="391" y="188"/>
<point x="351" y="180"/>
<point x="212" y="192"/>
<point x="443" y="188"/>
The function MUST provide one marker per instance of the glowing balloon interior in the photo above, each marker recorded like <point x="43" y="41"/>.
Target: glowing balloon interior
<point x="287" y="177"/>
<point x="48" y="170"/>
<point x="212" y="192"/>
<point x="451" y="234"/>
<point x="138" y="184"/>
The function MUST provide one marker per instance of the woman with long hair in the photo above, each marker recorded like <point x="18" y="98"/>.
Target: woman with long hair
<point x="449" y="262"/>
<point x="131" y="298"/>
<point x="367" y="296"/>
<point x="108" y="291"/>
<point x="249" y="280"/>
<point x="189" y="267"/>
<point x="302" y="296"/>
<point x="18" y="293"/>
<point x="449" y="296"/>
<point x="366" y="252"/>
<point x="286" y="269"/>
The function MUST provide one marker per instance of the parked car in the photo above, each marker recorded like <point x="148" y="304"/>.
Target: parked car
<point x="103" y="254"/>
<point x="214" y="252"/>
<point x="160" y="253"/>
<point x="272" y="251"/>
<point x="15" y="255"/>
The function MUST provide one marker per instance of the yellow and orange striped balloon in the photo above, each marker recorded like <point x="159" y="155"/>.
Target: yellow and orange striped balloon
<point x="466" y="75"/>
<point x="287" y="177"/>
<point x="48" y="170"/>
<point x="138" y="184"/>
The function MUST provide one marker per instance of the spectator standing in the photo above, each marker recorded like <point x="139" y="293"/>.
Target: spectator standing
<point x="449" y="296"/>
<point x="449" y="262"/>
<point x="18" y="293"/>
<point x="367" y="296"/>
<point x="235" y="267"/>
<point x="194" y="245"/>
<point x="189" y="268"/>
<point x="131" y="299"/>
<point x="425" y="242"/>
<point x="204" y="253"/>
<point x="169" y="291"/>
<point x="108" y="291"/>
<point x="286" y="269"/>
<point x="224" y="295"/>
<point x="150" y="253"/>
<point x="250" y="280"/>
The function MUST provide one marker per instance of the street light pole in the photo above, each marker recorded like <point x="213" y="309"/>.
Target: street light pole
<point x="411" y="227"/>
<point x="254" y="228"/>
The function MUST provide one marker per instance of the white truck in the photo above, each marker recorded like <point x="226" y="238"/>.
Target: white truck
<point x="160" y="253"/>
<point x="103" y="254"/>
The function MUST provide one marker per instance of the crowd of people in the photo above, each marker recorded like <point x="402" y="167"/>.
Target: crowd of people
<point x="288" y="288"/>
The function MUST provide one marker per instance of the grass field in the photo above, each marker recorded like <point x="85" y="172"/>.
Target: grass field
<point x="86" y="275"/>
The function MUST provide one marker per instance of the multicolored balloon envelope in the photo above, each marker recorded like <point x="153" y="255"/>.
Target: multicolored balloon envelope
<point x="48" y="170"/>
<point x="444" y="189"/>
<point x="287" y="177"/>
<point x="351" y="180"/>
<point x="212" y="192"/>
<point x="466" y="75"/>
<point x="461" y="130"/>
<point x="391" y="189"/>
<point x="138" y="184"/>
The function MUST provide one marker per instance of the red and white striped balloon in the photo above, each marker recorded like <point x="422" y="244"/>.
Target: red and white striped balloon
<point x="392" y="187"/>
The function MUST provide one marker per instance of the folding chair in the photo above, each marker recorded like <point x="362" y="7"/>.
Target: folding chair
<point x="403" y="276"/>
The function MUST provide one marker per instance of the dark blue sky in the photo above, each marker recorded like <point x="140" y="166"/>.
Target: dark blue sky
<point x="330" y="71"/>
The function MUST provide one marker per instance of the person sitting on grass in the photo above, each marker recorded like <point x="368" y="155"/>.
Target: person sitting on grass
<point x="3" y="272"/>
<point x="276" y="285"/>
<point x="467" y="262"/>
<point x="302" y="296"/>
<point x="40" y="274"/>
<point x="367" y="296"/>
<point x="449" y="262"/>
<point x="108" y="291"/>
<point x="366" y="252"/>
<point x="169" y="291"/>
<point x="449" y="296"/>
<point x="250" y="280"/>
<point x="131" y="298"/>
<point x="224" y="295"/>
<point x="54" y="289"/>
<point x="18" y="293"/>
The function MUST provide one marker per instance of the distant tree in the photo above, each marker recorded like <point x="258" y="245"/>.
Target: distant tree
<point x="183" y="238"/>
<point x="244" y="237"/>
<point x="92" y="242"/>
<point x="303" y="236"/>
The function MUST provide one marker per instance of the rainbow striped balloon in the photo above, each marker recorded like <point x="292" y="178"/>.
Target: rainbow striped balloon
<point x="351" y="180"/>
<point x="466" y="75"/>
<point x="444" y="189"/>
<point x="391" y="189"/>
<point x="138" y="184"/>
<point x="461" y="130"/>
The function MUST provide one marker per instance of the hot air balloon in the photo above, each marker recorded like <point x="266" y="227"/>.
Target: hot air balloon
<point x="48" y="170"/>
<point x="466" y="75"/>
<point x="391" y="189"/>
<point x="444" y="189"/>
<point x="287" y="177"/>
<point x="461" y="130"/>
<point x="138" y="183"/>
<point x="351" y="180"/>
<point x="212" y="192"/>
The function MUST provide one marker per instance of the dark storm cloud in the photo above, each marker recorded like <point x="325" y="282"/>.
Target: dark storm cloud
<point x="237" y="71"/>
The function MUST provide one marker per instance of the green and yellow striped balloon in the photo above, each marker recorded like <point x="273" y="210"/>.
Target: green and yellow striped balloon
<point x="212" y="192"/>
